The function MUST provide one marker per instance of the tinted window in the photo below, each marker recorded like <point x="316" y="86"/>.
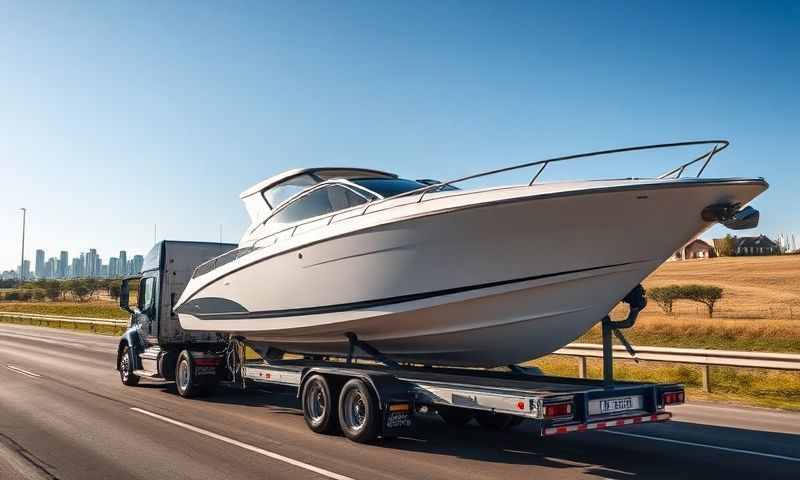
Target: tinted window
<point x="146" y="293"/>
<point x="319" y="202"/>
<point x="388" y="187"/>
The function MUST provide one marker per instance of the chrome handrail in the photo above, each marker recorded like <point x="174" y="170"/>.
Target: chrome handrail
<point x="719" y="145"/>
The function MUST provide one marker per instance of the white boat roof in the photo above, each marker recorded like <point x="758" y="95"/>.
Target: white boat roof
<point x="257" y="206"/>
<point x="324" y="173"/>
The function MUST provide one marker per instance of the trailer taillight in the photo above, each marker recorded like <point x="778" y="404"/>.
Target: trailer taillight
<point x="558" y="409"/>
<point x="671" y="398"/>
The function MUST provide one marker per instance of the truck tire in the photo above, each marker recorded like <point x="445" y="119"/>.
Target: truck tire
<point x="454" y="416"/>
<point x="126" y="367"/>
<point x="496" y="421"/>
<point x="319" y="405"/>
<point x="359" y="413"/>
<point x="187" y="383"/>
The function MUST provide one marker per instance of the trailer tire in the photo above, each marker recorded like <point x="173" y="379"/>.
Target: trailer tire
<point x="495" y="421"/>
<point x="359" y="412"/>
<point x="188" y="385"/>
<point x="126" y="367"/>
<point x="319" y="403"/>
<point x="454" y="416"/>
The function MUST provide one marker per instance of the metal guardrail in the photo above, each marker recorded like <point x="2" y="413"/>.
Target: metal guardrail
<point x="694" y="356"/>
<point x="66" y="319"/>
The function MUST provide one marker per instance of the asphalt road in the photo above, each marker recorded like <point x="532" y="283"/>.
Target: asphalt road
<point x="65" y="415"/>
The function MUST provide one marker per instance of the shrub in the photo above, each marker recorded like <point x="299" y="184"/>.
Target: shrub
<point x="38" y="294"/>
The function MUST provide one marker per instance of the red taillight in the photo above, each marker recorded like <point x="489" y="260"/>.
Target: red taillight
<point x="207" y="361"/>
<point x="558" y="410"/>
<point x="671" y="398"/>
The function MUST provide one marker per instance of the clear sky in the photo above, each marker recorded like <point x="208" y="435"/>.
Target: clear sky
<point x="115" y="116"/>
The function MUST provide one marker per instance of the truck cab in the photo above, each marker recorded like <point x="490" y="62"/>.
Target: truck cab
<point x="154" y="340"/>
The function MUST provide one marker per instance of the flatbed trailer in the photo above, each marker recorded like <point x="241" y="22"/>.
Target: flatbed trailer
<point x="368" y="395"/>
<point x="496" y="399"/>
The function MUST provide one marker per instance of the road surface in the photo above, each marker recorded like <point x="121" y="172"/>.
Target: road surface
<point x="65" y="415"/>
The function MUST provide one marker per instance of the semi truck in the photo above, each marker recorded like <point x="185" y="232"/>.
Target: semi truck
<point x="366" y="395"/>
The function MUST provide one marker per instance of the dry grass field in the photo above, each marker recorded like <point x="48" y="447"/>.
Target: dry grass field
<point x="759" y="310"/>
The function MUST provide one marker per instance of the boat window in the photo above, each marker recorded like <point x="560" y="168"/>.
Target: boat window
<point x="279" y="193"/>
<point x="319" y="202"/>
<point x="388" y="187"/>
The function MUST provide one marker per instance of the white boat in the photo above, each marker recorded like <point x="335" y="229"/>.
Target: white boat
<point x="431" y="274"/>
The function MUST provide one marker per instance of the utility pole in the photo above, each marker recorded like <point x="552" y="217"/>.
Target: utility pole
<point x="220" y="233"/>
<point x="22" y="260"/>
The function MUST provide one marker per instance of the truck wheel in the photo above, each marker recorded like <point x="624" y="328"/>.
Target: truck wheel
<point x="126" y="368"/>
<point x="495" y="421"/>
<point x="359" y="415"/>
<point x="319" y="405"/>
<point x="454" y="416"/>
<point x="188" y="384"/>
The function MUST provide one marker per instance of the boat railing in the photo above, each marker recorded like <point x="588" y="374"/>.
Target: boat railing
<point x="716" y="147"/>
<point x="677" y="172"/>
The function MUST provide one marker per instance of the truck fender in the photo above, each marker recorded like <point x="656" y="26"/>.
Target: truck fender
<point x="133" y="339"/>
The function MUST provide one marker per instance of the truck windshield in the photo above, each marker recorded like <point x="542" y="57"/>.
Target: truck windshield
<point x="388" y="187"/>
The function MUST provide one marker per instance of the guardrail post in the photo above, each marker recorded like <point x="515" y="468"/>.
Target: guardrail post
<point x="706" y="378"/>
<point x="581" y="367"/>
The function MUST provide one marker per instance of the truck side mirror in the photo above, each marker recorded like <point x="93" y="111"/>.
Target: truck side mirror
<point x="124" y="296"/>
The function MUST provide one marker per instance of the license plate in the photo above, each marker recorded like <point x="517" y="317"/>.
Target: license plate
<point x="613" y="405"/>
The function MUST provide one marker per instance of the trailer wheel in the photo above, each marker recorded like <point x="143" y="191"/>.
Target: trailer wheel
<point x="126" y="368"/>
<point x="496" y="421"/>
<point x="454" y="416"/>
<point x="359" y="415"/>
<point x="189" y="386"/>
<point x="319" y="405"/>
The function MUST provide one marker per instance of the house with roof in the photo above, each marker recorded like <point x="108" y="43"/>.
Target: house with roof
<point x="695" y="249"/>
<point x="760" y="245"/>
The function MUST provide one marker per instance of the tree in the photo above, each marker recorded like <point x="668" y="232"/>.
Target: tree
<point x="705" y="294"/>
<point x="664" y="297"/>
<point x="114" y="289"/>
<point x="53" y="289"/>
<point x="92" y="285"/>
<point x="727" y="246"/>
<point x="79" y="290"/>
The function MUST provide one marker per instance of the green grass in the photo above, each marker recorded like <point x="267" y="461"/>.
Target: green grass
<point x="66" y="325"/>
<point x="97" y="309"/>
<point x="764" y="388"/>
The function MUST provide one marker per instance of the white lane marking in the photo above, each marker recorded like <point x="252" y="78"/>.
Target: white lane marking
<point x="694" y="444"/>
<point x="246" y="446"/>
<point x="24" y="372"/>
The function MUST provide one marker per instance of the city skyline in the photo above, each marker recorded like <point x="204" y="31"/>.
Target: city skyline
<point x="89" y="264"/>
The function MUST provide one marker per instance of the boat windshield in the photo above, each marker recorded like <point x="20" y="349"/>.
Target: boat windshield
<point x="388" y="187"/>
<point x="280" y="192"/>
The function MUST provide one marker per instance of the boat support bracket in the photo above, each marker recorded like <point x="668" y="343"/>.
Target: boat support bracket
<point x="368" y="349"/>
<point x="636" y="301"/>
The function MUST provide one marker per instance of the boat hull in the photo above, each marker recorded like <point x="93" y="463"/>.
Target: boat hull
<point x="480" y="284"/>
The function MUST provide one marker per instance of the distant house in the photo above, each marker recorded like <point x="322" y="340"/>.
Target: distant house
<point x="760" y="245"/>
<point x="695" y="249"/>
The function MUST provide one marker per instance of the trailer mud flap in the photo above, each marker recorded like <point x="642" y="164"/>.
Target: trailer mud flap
<point x="398" y="419"/>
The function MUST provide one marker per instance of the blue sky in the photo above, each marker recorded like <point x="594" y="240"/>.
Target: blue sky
<point x="116" y="116"/>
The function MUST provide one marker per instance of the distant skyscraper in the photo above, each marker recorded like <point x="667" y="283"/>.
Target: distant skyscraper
<point x="91" y="263"/>
<point x="137" y="263"/>
<point x="75" y="271"/>
<point x="113" y="269"/>
<point x="63" y="264"/>
<point x="123" y="263"/>
<point x="39" y="269"/>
